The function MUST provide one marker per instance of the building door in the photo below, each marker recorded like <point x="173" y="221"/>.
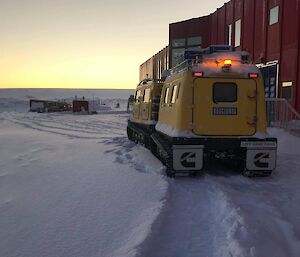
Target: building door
<point x="269" y="73"/>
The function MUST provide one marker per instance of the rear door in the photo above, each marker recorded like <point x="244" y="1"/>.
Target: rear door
<point x="225" y="107"/>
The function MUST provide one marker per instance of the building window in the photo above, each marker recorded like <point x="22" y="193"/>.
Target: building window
<point x="178" y="42"/>
<point x="274" y="15"/>
<point x="158" y="69"/>
<point x="194" y="41"/>
<point x="166" y="60"/>
<point x="229" y="34"/>
<point x="287" y="90"/>
<point x="177" y="56"/>
<point x="237" y="33"/>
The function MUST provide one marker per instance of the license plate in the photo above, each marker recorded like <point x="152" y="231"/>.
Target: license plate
<point x="259" y="144"/>
<point x="225" y="111"/>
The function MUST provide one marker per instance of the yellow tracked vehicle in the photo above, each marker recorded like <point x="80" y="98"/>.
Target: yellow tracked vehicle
<point x="211" y="106"/>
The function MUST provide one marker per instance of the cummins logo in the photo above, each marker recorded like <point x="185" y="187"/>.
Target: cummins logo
<point x="261" y="160"/>
<point x="188" y="160"/>
<point x="187" y="157"/>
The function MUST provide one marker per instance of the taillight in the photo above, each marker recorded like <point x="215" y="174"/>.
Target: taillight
<point x="198" y="74"/>
<point x="253" y="75"/>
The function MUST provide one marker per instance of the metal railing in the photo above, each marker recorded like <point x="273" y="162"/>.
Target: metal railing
<point x="182" y="66"/>
<point x="281" y="114"/>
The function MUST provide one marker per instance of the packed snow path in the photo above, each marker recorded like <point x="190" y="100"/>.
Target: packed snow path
<point x="73" y="185"/>
<point x="230" y="216"/>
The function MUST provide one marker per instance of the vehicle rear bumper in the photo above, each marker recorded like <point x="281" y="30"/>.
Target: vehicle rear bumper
<point x="257" y="155"/>
<point x="225" y="144"/>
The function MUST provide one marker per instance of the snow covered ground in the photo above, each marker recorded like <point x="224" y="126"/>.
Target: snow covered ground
<point x="74" y="186"/>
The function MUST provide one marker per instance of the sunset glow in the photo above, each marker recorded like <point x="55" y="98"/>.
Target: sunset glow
<point x="84" y="44"/>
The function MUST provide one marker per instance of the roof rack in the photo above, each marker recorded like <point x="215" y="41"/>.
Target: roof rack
<point x="196" y="56"/>
<point x="197" y="52"/>
<point x="145" y="81"/>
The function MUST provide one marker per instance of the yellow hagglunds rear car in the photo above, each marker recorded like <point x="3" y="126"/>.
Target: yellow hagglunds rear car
<point x="210" y="106"/>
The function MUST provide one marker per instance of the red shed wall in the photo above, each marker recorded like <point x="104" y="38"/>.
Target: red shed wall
<point x="214" y="28"/>
<point x="298" y="49"/>
<point x="79" y="105"/>
<point x="273" y="33"/>
<point x="229" y="20"/>
<point x="204" y="31"/>
<point x="190" y="28"/>
<point x="229" y="13"/>
<point x="222" y="30"/>
<point x="248" y="29"/>
<point x="260" y="31"/>
<point x="289" y="61"/>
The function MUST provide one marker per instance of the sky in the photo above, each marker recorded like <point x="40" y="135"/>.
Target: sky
<point x="85" y="43"/>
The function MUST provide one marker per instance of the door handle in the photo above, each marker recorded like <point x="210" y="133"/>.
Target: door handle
<point x="252" y="97"/>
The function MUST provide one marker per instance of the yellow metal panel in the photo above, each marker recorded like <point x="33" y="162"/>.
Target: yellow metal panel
<point x="179" y="114"/>
<point x="223" y="118"/>
<point x="142" y="111"/>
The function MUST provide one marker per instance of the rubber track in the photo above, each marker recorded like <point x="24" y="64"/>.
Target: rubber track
<point x="161" y="147"/>
<point x="165" y="148"/>
<point x="158" y="145"/>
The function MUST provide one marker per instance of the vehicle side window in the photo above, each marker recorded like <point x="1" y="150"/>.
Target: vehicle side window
<point x="166" y="95"/>
<point x="142" y="96"/>
<point x="147" y="95"/>
<point x="137" y="95"/>
<point x="174" y="94"/>
<point x="224" y="93"/>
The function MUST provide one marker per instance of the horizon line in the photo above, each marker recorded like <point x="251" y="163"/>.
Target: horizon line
<point x="67" y="88"/>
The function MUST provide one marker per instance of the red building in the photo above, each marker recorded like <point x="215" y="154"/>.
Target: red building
<point x="268" y="29"/>
<point x="80" y="106"/>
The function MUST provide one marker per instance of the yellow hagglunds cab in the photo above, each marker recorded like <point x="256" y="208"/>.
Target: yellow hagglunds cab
<point x="210" y="106"/>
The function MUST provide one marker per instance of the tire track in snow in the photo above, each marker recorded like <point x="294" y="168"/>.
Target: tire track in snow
<point x="137" y="156"/>
<point x="270" y="229"/>
<point x="210" y="216"/>
<point x="87" y="130"/>
<point x="218" y="216"/>
<point x="188" y="224"/>
<point x="198" y="220"/>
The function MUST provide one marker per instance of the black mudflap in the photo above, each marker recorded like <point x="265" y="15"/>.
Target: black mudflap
<point x="260" y="157"/>
<point x="178" y="159"/>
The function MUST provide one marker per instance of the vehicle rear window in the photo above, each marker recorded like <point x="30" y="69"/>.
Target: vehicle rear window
<point x="224" y="92"/>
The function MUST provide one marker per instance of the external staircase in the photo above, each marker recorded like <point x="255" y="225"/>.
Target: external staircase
<point x="281" y="114"/>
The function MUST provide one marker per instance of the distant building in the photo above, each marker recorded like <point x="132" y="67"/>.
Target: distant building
<point x="80" y="106"/>
<point x="268" y="29"/>
<point x="36" y="105"/>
